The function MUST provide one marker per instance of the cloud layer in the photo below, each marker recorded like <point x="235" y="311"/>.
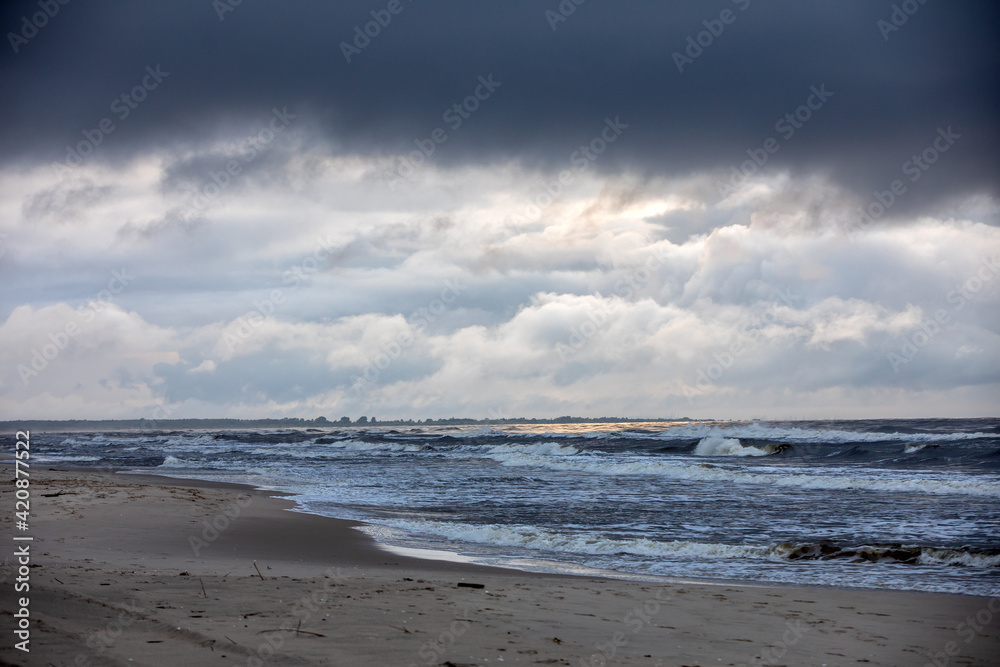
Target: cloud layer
<point x="801" y="223"/>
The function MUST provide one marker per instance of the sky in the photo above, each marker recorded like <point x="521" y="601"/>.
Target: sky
<point x="719" y="209"/>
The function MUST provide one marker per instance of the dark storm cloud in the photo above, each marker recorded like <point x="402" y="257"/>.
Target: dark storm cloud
<point x="890" y="95"/>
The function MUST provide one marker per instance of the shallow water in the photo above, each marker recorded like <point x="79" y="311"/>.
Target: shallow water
<point x="896" y="504"/>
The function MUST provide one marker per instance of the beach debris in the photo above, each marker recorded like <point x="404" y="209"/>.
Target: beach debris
<point x="204" y="592"/>
<point x="399" y="628"/>
<point x="465" y="584"/>
<point x="258" y="571"/>
<point x="557" y="640"/>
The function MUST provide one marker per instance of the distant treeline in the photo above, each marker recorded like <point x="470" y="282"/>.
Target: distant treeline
<point x="319" y="422"/>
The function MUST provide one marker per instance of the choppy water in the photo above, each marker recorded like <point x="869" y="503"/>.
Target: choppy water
<point x="899" y="504"/>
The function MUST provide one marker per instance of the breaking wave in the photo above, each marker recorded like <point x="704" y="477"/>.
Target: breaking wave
<point x="758" y="431"/>
<point x="530" y="537"/>
<point x="537" y="449"/>
<point x="714" y="445"/>
<point x="595" y="463"/>
<point x="888" y="553"/>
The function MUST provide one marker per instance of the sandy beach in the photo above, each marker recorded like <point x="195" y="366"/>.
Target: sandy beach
<point x="142" y="570"/>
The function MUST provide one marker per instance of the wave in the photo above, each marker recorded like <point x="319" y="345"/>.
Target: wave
<point x="536" y="449"/>
<point x="174" y="462"/>
<point x="531" y="537"/>
<point x="480" y="432"/>
<point x="596" y="463"/>
<point x="791" y="434"/>
<point x="170" y="461"/>
<point x="889" y="553"/>
<point x="78" y="439"/>
<point x="63" y="459"/>
<point x="713" y="445"/>
<point x="335" y="449"/>
<point x="366" y="446"/>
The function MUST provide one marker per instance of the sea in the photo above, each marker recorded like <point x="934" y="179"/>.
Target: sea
<point x="878" y="504"/>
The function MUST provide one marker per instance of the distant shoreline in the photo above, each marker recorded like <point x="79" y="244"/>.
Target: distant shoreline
<point x="70" y="425"/>
<point x="167" y="424"/>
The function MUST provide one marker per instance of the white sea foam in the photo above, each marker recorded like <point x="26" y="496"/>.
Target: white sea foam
<point x="536" y="449"/>
<point x="197" y="441"/>
<point x="482" y="431"/>
<point x="177" y="462"/>
<point x="714" y="445"/>
<point x="63" y="459"/>
<point x="329" y="450"/>
<point x="758" y="431"/>
<point x="955" y="557"/>
<point x="73" y="441"/>
<point x="674" y="468"/>
<point x="531" y="537"/>
<point x="173" y="462"/>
